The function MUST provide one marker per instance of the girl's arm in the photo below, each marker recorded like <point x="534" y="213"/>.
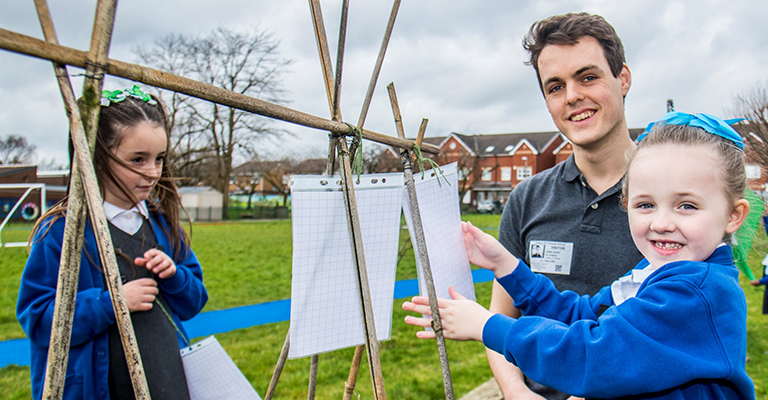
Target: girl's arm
<point x="37" y="293"/>
<point x="647" y="344"/>
<point x="534" y="294"/>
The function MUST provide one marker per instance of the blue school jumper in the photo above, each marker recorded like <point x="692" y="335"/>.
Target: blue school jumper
<point x="88" y="365"/>
<point x="683" y="336"/>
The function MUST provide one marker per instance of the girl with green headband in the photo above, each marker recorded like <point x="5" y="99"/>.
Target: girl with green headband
<point x="674" y="327"/>
<point x="162" y="279"/>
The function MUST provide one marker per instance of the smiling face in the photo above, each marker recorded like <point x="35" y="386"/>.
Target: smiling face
<point x="677" y="207"/>
<point x="584" y="98"/>
<point x="142" y="148"/>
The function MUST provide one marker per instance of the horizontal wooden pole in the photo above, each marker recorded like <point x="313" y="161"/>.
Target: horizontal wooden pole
<point x="33" y="47"/>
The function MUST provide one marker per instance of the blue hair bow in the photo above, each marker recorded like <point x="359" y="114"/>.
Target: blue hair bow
<point x="708" y="122"/>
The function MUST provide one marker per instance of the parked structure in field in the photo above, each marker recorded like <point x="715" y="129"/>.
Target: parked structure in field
<point x="202" y="203"/>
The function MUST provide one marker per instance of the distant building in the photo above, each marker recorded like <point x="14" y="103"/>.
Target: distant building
<point x="490" y="166"/>
<point x="202" y="203"/>
<point x="756" y="170"/>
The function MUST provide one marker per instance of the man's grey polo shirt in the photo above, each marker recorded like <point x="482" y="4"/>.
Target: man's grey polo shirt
<point x="558" y="205"/>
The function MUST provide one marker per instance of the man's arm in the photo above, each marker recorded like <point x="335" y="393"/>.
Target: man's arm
<point x="508" y="376"/>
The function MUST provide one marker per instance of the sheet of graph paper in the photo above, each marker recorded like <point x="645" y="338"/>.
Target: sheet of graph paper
<point x="211" y="374"/>
<point x="441" y="220"/>
<point x="325" y="304"/>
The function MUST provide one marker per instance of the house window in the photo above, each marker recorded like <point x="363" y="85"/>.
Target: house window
<point x="753" y="171"/>
<point x="463" y="174"/>
<point x="523" y="173"/>
<point x="486" y="176"/>
<point x="506" y="173"/>
<point x="452" y="145"/>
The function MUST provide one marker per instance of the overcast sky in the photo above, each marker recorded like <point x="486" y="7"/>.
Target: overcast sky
<point x="458" y="63"/>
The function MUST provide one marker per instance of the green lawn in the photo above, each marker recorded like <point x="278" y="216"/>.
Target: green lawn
<point x="249" y="262"/>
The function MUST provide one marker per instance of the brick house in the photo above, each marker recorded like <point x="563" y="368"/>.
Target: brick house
<point x="490" y="166"/>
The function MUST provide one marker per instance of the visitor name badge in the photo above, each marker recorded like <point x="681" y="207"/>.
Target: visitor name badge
<point x="550" y="257"/>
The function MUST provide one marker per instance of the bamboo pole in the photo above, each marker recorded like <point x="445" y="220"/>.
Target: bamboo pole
<point x="369" y="327"/>
<point x="71" y="249"/>
<point x="84" y="182"/>
<point x="422" y="247"/>
<point x="349" y="385"/>
<point x="351" y="207"/>
<point x="419" y="139"/>
<point x="379" y="62"/>
<point x="314" y="362"/>
<point x="279" y="367"/>
<point x="96" y="67"/>
<point x="30" y="46"/>
<point x="325" y="62"/>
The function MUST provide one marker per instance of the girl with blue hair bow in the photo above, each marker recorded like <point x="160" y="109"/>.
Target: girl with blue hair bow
<point x="674" y="327"/>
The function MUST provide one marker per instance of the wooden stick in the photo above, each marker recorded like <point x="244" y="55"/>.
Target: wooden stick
<point x="314" y="361"/>
<point x="71" y="249"/>
<point x="369" y="327"/>
<point x="279" y="367"/>
<point x="336" y="108"/>
<point x="96" y="66"/>
<point x="322" y="43"/>
<point x="64" y="55"/>
<point x="351" y="209"/>
<point x="379" y="62"/>
<point x="61" y="333"/>
<point x="349" y="385"/>
<point x="419" y="139"/>
<point x="422" y="247"/>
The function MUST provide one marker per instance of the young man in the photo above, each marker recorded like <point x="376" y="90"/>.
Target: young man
<point x="571" y="213"/>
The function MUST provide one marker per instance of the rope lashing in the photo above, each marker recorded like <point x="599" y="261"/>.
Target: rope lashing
<point x="356" y="149"/>
<point x="421" y="160"/>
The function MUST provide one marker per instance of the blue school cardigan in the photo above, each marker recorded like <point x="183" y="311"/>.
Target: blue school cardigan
<point x="683" y="336"/>
<point x="88" y="363"/>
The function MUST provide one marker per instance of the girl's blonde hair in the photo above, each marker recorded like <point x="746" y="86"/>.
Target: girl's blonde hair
<point x="116" y="121"/>
<point x="730" y="169"/>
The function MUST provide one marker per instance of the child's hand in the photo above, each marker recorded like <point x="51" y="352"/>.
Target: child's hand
<point x="755" y="282"/>
<point x="157" y="262"/>
<point x="485" y="251"/>
<point x="140" y="294"/>
<point x="462" y="319"/>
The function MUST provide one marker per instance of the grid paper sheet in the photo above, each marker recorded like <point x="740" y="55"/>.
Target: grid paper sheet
<point x="325" y="304"/>
<point x="212" y="375"/>
<point x="441" y="220"/>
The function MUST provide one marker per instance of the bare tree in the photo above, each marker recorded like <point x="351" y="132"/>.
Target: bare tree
<point x="466" y="165"/>
<point x="209" y="136"/>
<point x="753" y="105"/>
<point x="14" y="149"/>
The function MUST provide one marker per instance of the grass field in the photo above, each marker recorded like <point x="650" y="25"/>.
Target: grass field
<point x="249" y="262"/>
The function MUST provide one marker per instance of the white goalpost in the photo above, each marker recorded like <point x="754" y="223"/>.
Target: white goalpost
<point x="30" y="211"/>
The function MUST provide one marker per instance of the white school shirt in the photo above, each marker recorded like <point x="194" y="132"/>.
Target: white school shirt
<point x="626" y="287"/>
<point x="128" y="221"/>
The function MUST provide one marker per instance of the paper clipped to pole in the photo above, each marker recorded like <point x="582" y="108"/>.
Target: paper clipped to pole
<point x="441" y="220"/>
<point x="325" y="303"/>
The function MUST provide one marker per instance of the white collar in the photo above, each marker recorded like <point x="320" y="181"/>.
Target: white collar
<point x="128" y="221"/>
<point x="626" y="287"/>
<point x="111" y="211"/>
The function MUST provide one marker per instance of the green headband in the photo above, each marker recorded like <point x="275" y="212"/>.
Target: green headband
<point x="117" y="96"/>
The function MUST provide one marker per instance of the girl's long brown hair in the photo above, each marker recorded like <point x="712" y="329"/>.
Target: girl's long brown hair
<point x="116" y="121"/>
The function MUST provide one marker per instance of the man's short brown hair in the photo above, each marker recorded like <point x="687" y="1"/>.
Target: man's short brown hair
<point x="567" y="29"/>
